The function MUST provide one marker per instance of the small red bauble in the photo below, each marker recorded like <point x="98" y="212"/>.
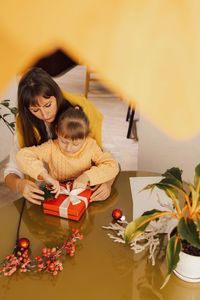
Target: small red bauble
<point x="23" y="243"/>
<point x="117" y="214"/>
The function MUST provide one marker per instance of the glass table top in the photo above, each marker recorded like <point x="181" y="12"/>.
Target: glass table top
<point x="101" y="269"/>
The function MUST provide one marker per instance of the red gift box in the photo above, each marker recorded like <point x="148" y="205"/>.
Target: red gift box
<point x="70" y="204"/>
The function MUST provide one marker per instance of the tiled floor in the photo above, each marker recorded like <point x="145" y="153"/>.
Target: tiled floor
<point x="114" y="111"/>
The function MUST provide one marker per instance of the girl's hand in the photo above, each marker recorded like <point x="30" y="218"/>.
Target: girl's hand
<point x="29" y="190"/>
<point x="81" y="182"/>
<point x="101" y="191"/>
<point x="55" y="187"/>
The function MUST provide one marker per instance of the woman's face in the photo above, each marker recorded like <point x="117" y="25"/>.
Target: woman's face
<point x="45" y="110"/>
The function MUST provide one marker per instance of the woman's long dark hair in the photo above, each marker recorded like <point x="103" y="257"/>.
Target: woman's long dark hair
<point x="34" y="83"/>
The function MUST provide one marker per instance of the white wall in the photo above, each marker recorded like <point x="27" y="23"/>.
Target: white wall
<point x="5" y="135"/>
<point x="158" y="152"/>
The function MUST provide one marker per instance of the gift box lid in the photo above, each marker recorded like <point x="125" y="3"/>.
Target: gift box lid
<point x="74" y="210"/>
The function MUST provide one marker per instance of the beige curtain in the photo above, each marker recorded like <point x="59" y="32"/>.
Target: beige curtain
<point x="147" y="51"/>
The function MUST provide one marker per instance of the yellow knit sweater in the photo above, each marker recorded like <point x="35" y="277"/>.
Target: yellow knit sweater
<point x="97" y="165"/>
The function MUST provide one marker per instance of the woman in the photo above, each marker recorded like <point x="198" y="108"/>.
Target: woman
<point x="39" y="101"/>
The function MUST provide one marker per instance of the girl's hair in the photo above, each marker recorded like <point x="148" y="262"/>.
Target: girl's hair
<point x="37" y="82"/>
<point x="72" y="124"/>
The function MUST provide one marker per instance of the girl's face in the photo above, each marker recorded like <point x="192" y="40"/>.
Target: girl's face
<point x="45" y="110"/>
<point x="69" y="146"/>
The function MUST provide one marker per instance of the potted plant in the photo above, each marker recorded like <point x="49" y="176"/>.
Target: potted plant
<point x="186" y="236"/>
<point x="3" y="116"/>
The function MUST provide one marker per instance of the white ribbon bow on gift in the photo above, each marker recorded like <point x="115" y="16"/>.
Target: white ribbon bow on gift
<point x="73" y="197"/>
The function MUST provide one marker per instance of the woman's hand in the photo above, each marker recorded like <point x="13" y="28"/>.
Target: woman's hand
<point x="55" y="186"/>
<point x="81" y="182"/>
<point x="101" y="191"/>
<point x="29" y="190"/>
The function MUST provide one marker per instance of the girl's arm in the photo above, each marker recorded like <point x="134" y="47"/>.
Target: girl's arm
<point x="55" y="186"/>
<point x="102" y="174"/>
<point x="30" y="159"/>
<point x="102" y="191"/>
<point x="105" y="168"/>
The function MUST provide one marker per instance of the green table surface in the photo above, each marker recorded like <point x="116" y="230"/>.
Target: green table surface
<point x="101" y="269"/>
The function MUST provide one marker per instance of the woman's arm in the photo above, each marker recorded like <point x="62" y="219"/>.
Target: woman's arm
<point x="15" y="181"/>
<point x="27" y="188"/>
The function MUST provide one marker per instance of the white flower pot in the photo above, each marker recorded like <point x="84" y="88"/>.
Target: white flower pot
<point x="188" y="267"/>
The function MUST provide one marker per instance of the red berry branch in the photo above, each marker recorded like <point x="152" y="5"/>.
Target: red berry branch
<point x="47" y="262"/>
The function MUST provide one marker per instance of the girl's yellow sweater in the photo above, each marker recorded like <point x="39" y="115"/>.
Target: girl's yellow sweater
<point x="97" y="165"/>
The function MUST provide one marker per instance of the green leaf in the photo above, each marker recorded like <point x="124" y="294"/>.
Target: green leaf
<point x="151" y="212"/>
<point x="173" y="194"/>
<point x="170" y="191"/>
<point x="47" y="193"/>
<point x="132" y="230"/>
<point x="165" y="281"/>
<point x="166" y="183"/>
<point x="188" y="231"/>
<point x="174" y="173"/>
<point x="13" y="110"/>
<point x="194" y="197"/>
<point x="161" y="186"/>
<point x="198" y="224"/>
<point x="12" y="124"/>
<point x="197" y="175"/>
<point x="5" y="115"/>
<point x="5" y="103"/>
<point x="173" y="250"/>
<point x="172" y="182"/>
<point x="148" y="187"/>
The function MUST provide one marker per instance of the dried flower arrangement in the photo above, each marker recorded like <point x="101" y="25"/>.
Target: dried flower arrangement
<point x="148" y="240"/>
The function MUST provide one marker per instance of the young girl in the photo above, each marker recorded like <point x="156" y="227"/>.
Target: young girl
<point x="72" y="155"/>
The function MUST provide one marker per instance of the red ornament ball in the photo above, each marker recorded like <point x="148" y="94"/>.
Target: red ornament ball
<point x="23" y="243"/>
<point x="117" y="214"/>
